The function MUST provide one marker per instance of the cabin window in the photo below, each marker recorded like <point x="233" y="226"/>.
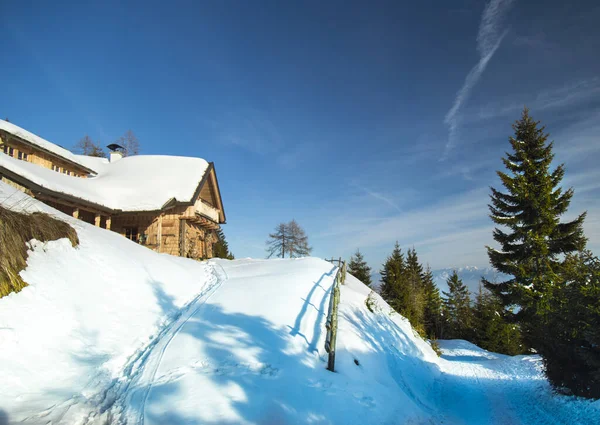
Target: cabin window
<point x="9" y="151"/>
<point x="55" y="168"/>
<point x="131" y="233"/>
<point x="22" y="156"/>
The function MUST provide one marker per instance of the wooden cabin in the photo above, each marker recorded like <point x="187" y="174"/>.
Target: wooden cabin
<point x="169" y="204"/>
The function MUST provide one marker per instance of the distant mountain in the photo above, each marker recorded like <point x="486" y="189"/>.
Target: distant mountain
<point x="470" y="275"/>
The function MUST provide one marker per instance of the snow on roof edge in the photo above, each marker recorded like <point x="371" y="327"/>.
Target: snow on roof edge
<point x="128" y="185"/>
<point x="41" y="143"/>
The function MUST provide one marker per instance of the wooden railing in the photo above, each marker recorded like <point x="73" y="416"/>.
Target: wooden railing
<point x="332" y="316"/>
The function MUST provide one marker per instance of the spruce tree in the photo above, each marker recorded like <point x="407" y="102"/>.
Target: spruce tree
<point x="432" y="312"/>
<point x="491" y="331"/>
<point x="392" y="276"/>
<point x="570" y="345"/>
<point x="458" y="309"/>
<point x="221" y="247"/>
<point x="534" y="239"/>
<point x="413" y="286"/>
<point x="358" y="268"/>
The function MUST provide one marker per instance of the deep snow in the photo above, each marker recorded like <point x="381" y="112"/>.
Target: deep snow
<point x="129" y="184"/>
<point x="111" y="332"/>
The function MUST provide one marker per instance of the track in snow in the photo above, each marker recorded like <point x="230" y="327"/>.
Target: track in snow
<point x="480" y="387"/>
<point x="123" y="402"/>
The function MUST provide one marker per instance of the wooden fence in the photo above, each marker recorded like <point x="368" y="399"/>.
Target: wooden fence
<point x="332" y="316"/>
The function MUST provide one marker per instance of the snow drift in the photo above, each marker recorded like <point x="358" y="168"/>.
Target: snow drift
<point x="111" y="332"/>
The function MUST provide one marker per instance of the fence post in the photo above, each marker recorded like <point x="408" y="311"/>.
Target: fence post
<point x="332" y="317"/>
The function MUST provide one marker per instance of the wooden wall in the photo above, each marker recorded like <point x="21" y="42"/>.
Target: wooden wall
<point x="38" y="157"/>
<point x="163" y="232"/>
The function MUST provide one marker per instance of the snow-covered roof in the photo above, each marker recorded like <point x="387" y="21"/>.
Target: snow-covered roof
<point x="29" y="137"/>
<point x="135" y="183"/>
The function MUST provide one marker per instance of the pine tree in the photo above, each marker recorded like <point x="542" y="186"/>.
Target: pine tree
<point x="432" y="312"/>
<point x="221" y="247"/>
<point x="530" y="210"/>
<point x="358" y="268"/>
<point x="458" y="309"/>
<point x="392" y="276"/>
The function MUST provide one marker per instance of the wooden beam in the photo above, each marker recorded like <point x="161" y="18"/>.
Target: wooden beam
<point x="97" y="220"/>
<point x="159" y="233"/>
<point x="76" y="213"/>
<point x="108" y="222"/>
<point x="181" y="237"/>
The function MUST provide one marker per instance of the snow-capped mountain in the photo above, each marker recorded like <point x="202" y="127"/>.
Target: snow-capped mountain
<point x="470" y="275"/>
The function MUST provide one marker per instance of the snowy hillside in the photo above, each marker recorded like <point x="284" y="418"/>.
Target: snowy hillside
<point x="111" y="332"/>
<point x="470" y="275"/>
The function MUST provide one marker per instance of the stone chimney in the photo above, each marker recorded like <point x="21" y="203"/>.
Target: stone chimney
<point x="115" y="151"/>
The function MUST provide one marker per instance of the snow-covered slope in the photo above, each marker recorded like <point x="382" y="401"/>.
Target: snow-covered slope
<point x="87" y="314"/>
<point x="111" y="332"/>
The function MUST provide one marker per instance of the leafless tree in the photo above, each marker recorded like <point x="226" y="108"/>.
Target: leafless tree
<point x="288" y="238"/>
<point x="298" y="241"/>
<point x="130" y="143"/>
<point x="86" y="146"/>
<point x="277" y="244"/>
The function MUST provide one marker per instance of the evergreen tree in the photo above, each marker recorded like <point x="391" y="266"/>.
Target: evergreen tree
<point x="570" y="345"/>
<point x="358" y="268"/>
<point x="530" y="210"/>
<point x="413" y="286"/>
<point x="392" y="276"/>
<point x="491" y="331"/>
<point x="458" y="309"/>
<point x="221" y="247"/>
<point x="432" y="312"/>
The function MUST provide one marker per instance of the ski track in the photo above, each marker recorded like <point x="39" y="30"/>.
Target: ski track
<point x="474" y="387"/>
<point x="501" y="390"/>
<point x="115" y="399"/>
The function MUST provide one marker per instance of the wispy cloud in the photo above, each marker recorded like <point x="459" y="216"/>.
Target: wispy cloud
<point x="489" y="38"/>
<point x="450" y="231"/>
<point x="379" y="196"/>
<point x="250" y="129"/>
<point x="579" y="140"/>
<point x="570" y="94"/>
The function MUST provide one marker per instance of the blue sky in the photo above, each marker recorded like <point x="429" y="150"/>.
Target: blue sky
<point x="367" y="123"/>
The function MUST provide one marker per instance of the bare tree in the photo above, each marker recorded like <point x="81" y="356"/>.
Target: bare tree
<point x="278" y="241"/>
<point x="298" y="241"/>
<point x="288" y="238"/>
<point x="130" y="143"/>
<point x="86" y="146"/>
